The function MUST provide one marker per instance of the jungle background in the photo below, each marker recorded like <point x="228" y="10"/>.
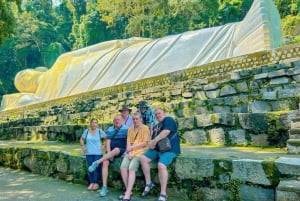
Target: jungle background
<point x="34" y="33"/>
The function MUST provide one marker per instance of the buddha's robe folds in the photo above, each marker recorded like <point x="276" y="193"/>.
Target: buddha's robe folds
<point x="121" y="61"/>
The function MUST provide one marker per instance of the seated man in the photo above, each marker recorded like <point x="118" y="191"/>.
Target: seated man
<point x="115" y="146"/>
<point x="137" y="140"/>
<point x="166" y="127"/>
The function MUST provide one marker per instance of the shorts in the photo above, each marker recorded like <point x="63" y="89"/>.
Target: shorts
<point x="122" y="151"/>
<point x="132" y="164"/>
<point x="165" y="158"/>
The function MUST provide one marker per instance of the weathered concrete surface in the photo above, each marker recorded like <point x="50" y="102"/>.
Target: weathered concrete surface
<point x="20" y="185"/>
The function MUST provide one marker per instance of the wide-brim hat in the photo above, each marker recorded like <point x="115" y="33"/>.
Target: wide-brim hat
<point x="125" y="108"/>
<point x="143" y="104"/>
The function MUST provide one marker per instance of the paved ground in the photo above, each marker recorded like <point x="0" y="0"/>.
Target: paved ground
<point x="20" y="185"/>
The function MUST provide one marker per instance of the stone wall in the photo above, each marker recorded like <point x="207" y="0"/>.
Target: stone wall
<point x="248" y="100"/>
<point x="191" y="178"/>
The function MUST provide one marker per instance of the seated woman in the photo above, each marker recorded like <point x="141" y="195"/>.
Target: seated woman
<point x="115" y="147"/>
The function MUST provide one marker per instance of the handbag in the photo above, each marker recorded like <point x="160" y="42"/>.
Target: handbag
<point x="164" y="145"/>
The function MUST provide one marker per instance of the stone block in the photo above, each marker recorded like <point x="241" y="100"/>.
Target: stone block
<point x="215" y="101"/>
<point x="201" y="110"/>
<point x="242" y="86"/>
<point x="211" y="86"/>
<point x="295" y="125"/>
<point x="223" y="118"/>
<point x="197" y="136"/>
<point x="269" y="95"/>
<point x="293" y="71"/>
<point x="187" y="95"/>
<point x="237" y="137"/>
<point x="217" y="136"/>
<point x="296" y="78"/>
<point x="203" y="121"/>
<point x="259" y="140"/>
<point x="191" y="168"/>
<point x="249" y="170"/>
<point x="278" y="73"/>
<point x="219" y="109"/>
<point x="200" y="95"/>
<point x="288" y="93"/>
<point x="213" y="94"/>
<point x="293" y="146"/>
<point x="280" y="80"/>
<point x="187" y="123"/>
<point x="260" y="76"/>
<point x="288" y="190"/>
<point x="227" y="90"/>
<point x="240" y="109"/>
<point x="253" y="121"/>
<point x="213" y="194"/>
<point x="259" y="106"/>
<point x="288" y="166"/>
<point x="253" y="193"/>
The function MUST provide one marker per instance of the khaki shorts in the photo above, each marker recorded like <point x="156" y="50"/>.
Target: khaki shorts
<point x="132" y="164"/>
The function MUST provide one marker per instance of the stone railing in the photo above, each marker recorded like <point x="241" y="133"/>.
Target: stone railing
<point x="202" y="177"/>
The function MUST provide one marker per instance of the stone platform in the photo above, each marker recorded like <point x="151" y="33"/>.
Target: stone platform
<point x="199" y="173"/>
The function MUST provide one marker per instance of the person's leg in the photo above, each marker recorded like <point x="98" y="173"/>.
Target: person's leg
<point x="133" y="167"/>
<point x="163" y="178"/>
<point x="109" y="155"/>
<point x="97" y="173"/>
<point x="165" y="159"/>
<point x="145" y="163"/>
<point x="124" y="170"/>
<point x="105" y="165"/>
<point x="89" y="161"/>
<point x="145" y="159"/>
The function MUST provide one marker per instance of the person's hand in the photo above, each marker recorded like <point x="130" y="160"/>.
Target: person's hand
<point x="130" y="156"/>
<point x="83" y="149"/>
<point x="129" y="148"/>
<point x="152" y="144"/>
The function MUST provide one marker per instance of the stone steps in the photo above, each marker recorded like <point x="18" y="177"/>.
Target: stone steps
<point x="293" y="144"/>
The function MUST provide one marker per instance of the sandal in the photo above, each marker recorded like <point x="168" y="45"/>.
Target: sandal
<point x="150" y="186"/>
<point x="122" y="196"/>
<point x="163" y="196"/>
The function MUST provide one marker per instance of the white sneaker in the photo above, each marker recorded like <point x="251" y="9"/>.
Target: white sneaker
<point x="93" y="167"/>
<point x="103" y="191"/>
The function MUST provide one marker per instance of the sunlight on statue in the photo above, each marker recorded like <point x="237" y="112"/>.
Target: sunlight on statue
<point x="121" y="61"/>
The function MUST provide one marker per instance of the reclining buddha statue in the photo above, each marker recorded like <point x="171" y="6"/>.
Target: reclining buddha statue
<point x="121" y="61"/>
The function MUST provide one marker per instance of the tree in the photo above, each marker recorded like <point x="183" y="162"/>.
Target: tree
<point x="7" y="19"/>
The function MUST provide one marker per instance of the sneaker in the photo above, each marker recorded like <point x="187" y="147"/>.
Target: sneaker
<point x="93" y="167"/>
<point x="103" y="191"/>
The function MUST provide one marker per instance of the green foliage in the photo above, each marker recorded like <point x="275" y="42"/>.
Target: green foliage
<point x="271" y="171"/>
<point x="233" y="188"/>
<point x="7" y="19"/>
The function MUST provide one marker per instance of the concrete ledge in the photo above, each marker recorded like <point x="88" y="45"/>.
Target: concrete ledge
<point x="198" y="172"/>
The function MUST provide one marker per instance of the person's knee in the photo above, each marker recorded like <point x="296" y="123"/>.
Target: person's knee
<point x="116" y="151"/>
<point x="161" y="166"/>
<point x="105" y="163"/>
<point x="143" y="159"/>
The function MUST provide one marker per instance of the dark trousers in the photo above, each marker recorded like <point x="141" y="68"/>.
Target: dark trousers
<point x="94" y="176"/>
